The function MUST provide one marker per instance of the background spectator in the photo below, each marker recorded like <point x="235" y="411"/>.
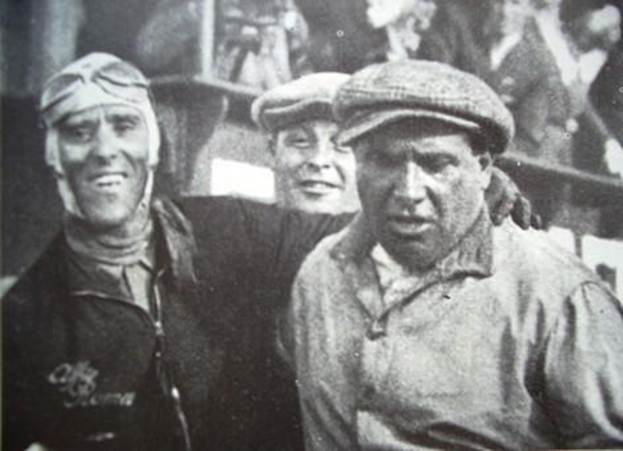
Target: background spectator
<point x="403" y="21"/>
<point x="592" y="29"/>
<point x="258" y="43"/>
<point x="524" y="74"/>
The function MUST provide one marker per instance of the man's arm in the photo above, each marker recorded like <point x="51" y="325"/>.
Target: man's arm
<point x="583" y="368"/>
<point x="282" y="238"/>
<point x="241" y="241"/>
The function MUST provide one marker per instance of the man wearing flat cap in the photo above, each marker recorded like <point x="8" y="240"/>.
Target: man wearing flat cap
<point x="314" y="174"/>
<point x="317" y="175"/>
<point x="422" y="326"/>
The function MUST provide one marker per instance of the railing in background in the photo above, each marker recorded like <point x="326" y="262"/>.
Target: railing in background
<point x="608" y="189"/>
<point x="187" y="90"/>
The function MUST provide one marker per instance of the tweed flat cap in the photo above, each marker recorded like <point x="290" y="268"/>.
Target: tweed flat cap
<point x="309" y="97"/>
<point x="384" y="93"/>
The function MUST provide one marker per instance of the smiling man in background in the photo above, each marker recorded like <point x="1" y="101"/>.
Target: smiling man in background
<point x="312" y="172"/>
<point x="421" y="325"/>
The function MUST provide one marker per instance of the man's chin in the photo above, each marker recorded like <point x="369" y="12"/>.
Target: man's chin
<point x="106" y="216"/>
<point x="412" y="252"/>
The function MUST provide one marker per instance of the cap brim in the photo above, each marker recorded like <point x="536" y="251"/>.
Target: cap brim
<point x="366" y="123"/>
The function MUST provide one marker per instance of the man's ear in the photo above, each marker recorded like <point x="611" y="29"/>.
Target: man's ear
<point x="486" y="163"/>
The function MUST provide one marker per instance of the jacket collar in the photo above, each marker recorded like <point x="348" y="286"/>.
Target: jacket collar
<point x="174" y="250"/>
<point x="473" y="255"/>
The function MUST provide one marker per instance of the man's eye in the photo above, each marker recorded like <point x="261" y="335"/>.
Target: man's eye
<point x="339" y="148"/>
<point x="78" y="134"/>
<point x="437" y="164"/>
<point x="299" y="142"/>
<point x="124" y="126"/>
<point x="343" y="149"/>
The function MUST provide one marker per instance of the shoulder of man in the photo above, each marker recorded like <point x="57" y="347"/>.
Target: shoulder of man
<point x="45" y="277"/>
<point x="39" y="294"/>
<point x="536" y="261"/>
<point x="325" y="256"/>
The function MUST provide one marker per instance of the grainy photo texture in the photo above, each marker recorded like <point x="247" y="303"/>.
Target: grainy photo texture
<point x="285" y="225"/>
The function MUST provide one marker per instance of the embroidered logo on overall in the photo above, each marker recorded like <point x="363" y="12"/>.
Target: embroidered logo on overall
<point x="77" y="382"/>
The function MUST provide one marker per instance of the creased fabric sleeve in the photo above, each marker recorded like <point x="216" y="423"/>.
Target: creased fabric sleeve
<point x="584" y="369"/>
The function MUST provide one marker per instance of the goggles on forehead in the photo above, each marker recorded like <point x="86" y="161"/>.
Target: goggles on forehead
<point x="118" y="79"/>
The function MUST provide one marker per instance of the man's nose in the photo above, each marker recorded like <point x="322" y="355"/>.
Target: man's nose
<point x="321" y="155"/>
<point x="106" y="143"/>
<point x="412" y="183"/>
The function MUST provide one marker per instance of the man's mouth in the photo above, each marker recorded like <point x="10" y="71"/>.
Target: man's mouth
<point x="409" y="226"/>
<point x="318" y="187"/>
<point x="108" y="180"/>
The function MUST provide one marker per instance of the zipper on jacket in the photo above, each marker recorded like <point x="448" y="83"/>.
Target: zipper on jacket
<point x="168" y="387"/>
<point x="164" y="376"/>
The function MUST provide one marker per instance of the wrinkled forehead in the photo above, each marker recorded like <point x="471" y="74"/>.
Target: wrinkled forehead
<point x="107" y="113"/>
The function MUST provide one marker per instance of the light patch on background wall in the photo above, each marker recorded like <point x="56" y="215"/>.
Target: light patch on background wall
<point x="235" y="178"/>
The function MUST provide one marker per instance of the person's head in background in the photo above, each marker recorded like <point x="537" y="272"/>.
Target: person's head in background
<point x="312" y="172"/>
<point x="591" y="24"/>
<point x="509" y="17"/>
<point x="419" y="13"/>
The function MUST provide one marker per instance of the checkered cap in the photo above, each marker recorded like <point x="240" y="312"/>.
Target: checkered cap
<point x="384" y="93"/>
<point x="309" y="97"/>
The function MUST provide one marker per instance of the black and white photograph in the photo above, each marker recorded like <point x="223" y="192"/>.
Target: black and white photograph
<point x="311" y="225"/>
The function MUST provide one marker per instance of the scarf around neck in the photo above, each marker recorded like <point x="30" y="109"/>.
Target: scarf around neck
<point x="105" y="248"/>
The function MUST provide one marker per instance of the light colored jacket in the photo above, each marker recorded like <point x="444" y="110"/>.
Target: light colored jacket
<point x="508" y="343"/>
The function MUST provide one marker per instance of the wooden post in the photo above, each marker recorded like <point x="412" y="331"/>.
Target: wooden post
<point x="206" y="37"/>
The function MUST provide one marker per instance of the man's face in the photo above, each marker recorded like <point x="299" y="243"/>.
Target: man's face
<point x="421" y="188"/>
<point x="313" y="173"/>
<point x="104" y="152"/>
<point x="511" y="16"/>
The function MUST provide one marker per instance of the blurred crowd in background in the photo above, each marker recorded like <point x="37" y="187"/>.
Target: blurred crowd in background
<point x="557" y="64"/>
